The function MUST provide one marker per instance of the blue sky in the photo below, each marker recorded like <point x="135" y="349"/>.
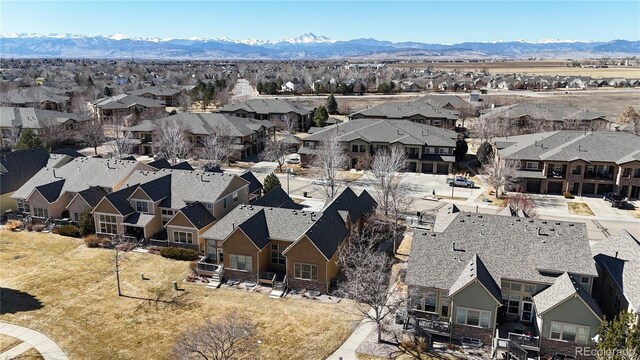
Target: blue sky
<point x="424" y="21"/>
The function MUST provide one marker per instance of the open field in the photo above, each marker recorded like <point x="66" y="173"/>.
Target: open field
<point x="539" y="67"/>
<point x="69" y="294"/>
<point x="7" y="342"/>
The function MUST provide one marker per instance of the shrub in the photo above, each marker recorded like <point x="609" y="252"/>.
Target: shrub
<point x="160" y="235"/>
<point x="567" y="195"/>
<point x="11" y="225"/>
<point x="69" y="230"/>
<point x="29" y="227"/>
<point x="86" y="223"/>
<point x="39" y="227"/>
<point x="179" y="254"/>
<point x="94" y="241"/>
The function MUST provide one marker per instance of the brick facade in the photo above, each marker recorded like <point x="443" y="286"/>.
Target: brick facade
<point x="458" y="331"/>
<point x="549" y="347"/>
<point x="240" y="275"/>
<point x="307" y="285"/>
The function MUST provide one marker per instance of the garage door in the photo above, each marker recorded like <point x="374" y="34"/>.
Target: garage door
<point x="533" y="186"/>
<point x="443" y="169"/>
<point x="604" y="188"/>
<point x="427" y="168"/>
<point x="554" y="187"/>
<point x="588" y="189"/>
<point x="411" y="166"/>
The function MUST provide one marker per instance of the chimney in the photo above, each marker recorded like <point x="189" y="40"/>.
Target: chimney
<point x="616" y="254"/>
<point x="233" y="225"/>
<point x="202" y="178"/>
<point x="453" y="246"/>
<point x="54" y="174"/>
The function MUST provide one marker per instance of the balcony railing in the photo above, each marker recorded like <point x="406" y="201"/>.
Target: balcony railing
<point x="599" y="175"/>
<point x="430" y="325"/>
<point x="556" y="174"/>
<point x="525" y="340"/>
<point x="208" y="267"/>
<point x="160" y="243"/>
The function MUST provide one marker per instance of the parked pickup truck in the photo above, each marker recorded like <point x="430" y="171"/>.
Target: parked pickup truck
<point x="460" y="181"/>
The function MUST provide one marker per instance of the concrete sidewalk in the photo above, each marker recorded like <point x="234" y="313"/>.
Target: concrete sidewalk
<point x="45" y="346"/>
<point x="347" y="351"/>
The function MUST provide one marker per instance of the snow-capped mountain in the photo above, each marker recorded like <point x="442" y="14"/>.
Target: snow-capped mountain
<point x="305" y="46"/>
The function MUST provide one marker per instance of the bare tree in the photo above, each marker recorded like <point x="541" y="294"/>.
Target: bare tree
<point x="121" y="246"/>
<point x="630" y="118"/>
<point x="286" y="124"/>
<point x="231" y="337"/>
<point x="385" y="168"/>
<point x="366" y="270"/>
<point x="12" y="135"/>
<point x="54" y="134"/>
<point x="216" y="148"/>
<point x="275" y="151"/>
<point x="80" y="105"/>
<point x="91" y="134"/>
<point x="499" y="173"/>
<point x="184" y="101"/>
<point x="486" y="128"/>
<point x="330" y="157"/>
<point x="522" y="202"/>
<point x="121" y="144"/>
<point x="170" y="140"/>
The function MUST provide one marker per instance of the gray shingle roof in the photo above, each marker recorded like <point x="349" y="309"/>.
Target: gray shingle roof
<point x="179" y="187"/>
<point x="562" y="289"/>
<point x="388" y="131"/>
<point x="597" y="146"/>
<point x="442" y="100"/>
<point x="620" y="256"/>
<point x="405" y="110"/>
<point x="80" y="174"/>
<point x="124" y="101"/>
<point x="198" y="215"/>
<point x="17" y="167"/>
<point x="476" y="271"/>
<point x="254" y="183"/>
<point x="156" y="91"/>
<point x="207" y="123"/>
<point x="277" y="198"/>
<point x="547" y="111"/>
<point x="36" y="94"/>
<point x="120" y="199"/>
<point x="266" y="106"/>
<point x="30" y="118"/>
<point x="51" y="191"/>
<point x="93" y="195"/>
<point x="515" y="248"/>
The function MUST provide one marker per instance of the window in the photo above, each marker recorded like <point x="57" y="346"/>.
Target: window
<point x="240" y="262"/>
<point x="183" y="237"/>
<point x="626" y="172"/>
<point x="427" y="302"/>
<point x="166" y="215"/>
<point x="140" y="206"/>
<point x="473" y="317"/>
<point x="276" y="254"/>
<point x="636" y="173"/>
<point x="444" y="309"/>
<point x="569" y="332"/>
<point x="531" y="289"/>
<point x="107" y="224"/>
<point x="305" y="271"/>
<point x="235" y="197"/>
<point x="40" y="212"/>
<point x="76" y="217"/>
<point x="23" y="206"/>
<point x="443" y="150"/>
<point x="354" y="148"/>
<point x="437" y="122"/>
<point x="584" y="279"/>
<point x="512" y="303"/>
<point x="532" y="165"/>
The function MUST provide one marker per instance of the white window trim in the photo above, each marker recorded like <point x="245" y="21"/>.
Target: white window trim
<point x="561" y="324"/>
<point x="136" y="202"/>
<point x="278" y="252"/>
<point x="311" y="266"/>
<point x="188" y="237"/>
<point x="466" y="319"/>
<point x="534" y="165"/>
<point x="101" y="221"/>
<point x="248" y="261"/>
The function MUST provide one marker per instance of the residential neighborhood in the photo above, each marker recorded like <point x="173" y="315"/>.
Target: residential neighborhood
<point x="177" y="184"/>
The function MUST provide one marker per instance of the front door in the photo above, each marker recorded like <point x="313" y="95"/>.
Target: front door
<point x="527" y="311"/>
<point x="220" y="257"/>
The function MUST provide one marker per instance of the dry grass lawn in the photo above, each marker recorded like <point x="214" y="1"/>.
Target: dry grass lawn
<point x="83" y="314"/>
<point x="8" y="342"/>
<point x="579" y="208"/>
<point x="31" y="354"/>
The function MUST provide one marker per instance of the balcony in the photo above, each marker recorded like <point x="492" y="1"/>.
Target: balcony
<point x="208" y="267"/>
<point x="599" y="175"/>
<point x="431" y="326"/>
<point x="556" y="174"/>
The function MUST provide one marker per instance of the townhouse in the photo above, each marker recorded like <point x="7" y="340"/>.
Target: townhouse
<point x="41" y="97"/>
<point x="120" y="106"/>
<point x="248" y="136"/>
<point x="515" y="284"/>
<point x="284" y="247"/>
<point x="14" y="119"/>
<point x="274" y="110"/>
<point x="617" y="287"/>
<point x="578" y="162"/>
<point x="552" y="116"/>
<point x="416" y="111"/>
<point x="50" y="191"/>
<point x="163" y="94"/>
<point x="429" y="149"/>
<point x="169" y="207"/>
<point x="16" y="168"/>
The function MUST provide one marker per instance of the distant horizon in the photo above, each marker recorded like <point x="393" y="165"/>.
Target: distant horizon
<point x="432" y="22"/>
<point x="119" y="36"/>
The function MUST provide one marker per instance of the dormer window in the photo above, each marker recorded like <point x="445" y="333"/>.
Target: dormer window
<point x="140" y="206"/>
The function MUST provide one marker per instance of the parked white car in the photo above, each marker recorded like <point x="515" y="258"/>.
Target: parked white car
<point x="321" y="182"/>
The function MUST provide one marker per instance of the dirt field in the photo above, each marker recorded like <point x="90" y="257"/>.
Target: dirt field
<point x="60" y="287"/>
<point x="550" y="67"/>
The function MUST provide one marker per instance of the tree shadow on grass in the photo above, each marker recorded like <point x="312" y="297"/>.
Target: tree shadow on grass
<point x="13" y="301"/>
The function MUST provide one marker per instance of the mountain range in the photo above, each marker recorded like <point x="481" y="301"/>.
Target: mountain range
<point x="306" y="46"/>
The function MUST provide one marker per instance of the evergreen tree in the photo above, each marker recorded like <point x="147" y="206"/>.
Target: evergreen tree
<point x="332" y="105"/>
<point x="86" y="223"/>
<point x="620" y="335"/>
<point x="108" y="91"/>
<point x="321" y="116"/>
<point x="270" y="182"/>
<point x="461" y="149"/>
<point x="259" y="87"/>
<point x="485" y="152"/>
<point x="29" y="140"/>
